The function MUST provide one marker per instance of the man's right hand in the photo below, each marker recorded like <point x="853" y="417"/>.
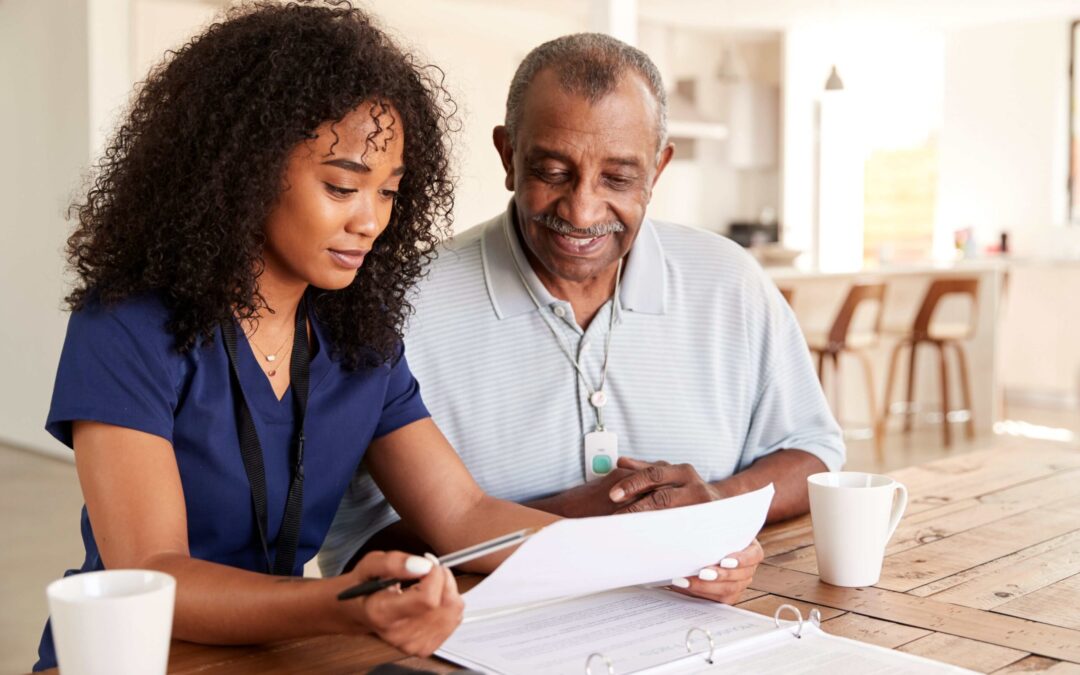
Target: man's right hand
<point x="591" y="499"/>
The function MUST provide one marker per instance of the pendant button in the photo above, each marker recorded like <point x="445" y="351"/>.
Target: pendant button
<point x="598" y="399"/>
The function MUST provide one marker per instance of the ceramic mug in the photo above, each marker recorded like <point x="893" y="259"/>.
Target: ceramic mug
<point x="115" y="621"/>
<point x="854" y="516"/>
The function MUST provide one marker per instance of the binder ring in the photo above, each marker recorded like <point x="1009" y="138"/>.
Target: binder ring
<point x="708" y="636"/>
<point x="798" y="617"/>
<point x="607" y="662"/>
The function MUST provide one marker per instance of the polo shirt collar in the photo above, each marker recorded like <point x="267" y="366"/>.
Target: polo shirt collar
<point x="643" y="286"/>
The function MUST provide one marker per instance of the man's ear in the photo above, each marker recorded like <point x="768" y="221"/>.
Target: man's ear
<point x="501" y="138"/>
<point x="662" y="161"/>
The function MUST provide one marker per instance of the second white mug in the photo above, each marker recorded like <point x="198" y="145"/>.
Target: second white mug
<point x="854" y="515"/>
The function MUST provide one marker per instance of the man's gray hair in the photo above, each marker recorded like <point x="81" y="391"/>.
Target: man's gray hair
<point x="589" y="65"/>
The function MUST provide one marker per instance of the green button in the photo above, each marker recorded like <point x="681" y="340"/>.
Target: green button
<point x="601" y="464"/>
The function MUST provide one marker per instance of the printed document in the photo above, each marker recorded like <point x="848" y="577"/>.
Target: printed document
<point x="579" y="556"/>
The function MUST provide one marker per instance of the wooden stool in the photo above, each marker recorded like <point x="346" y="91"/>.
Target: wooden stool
<point x="841" y="338"/>
<point x="942" y="336"/>
<point x="788" y="294"/>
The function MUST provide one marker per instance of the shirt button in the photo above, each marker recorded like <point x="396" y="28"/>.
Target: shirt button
<point x="559" y="311"/>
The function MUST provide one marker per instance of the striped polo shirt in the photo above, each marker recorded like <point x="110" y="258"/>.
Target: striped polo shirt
<point x="707" y="366"/>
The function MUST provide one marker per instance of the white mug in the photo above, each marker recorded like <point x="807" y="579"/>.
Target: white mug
<point x="854" y="516"/>
<point x="116" y="621"/>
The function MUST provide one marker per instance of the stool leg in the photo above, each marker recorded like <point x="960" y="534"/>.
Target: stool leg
<point x="946" y="431"/>
<point x="871" y="403"/>
<point x="965" y="389"/>
<point x="838" y="395"/>
<point x="894" y="360"/>
<point x="909" y="414"/>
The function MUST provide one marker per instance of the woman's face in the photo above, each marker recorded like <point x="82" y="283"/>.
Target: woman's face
<point x="337" y="198"/>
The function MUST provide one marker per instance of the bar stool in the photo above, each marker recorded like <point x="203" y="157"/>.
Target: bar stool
<point x="788" y="294"/>
<point x="841" y="338"/>
<point x="942" y="336"/>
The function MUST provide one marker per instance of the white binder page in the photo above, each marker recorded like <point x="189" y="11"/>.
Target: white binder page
<point x="817" y="652"/>
<point x="637" y="628"/>
<point x="587" y="555"/>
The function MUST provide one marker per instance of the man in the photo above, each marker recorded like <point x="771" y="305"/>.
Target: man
<point x="534" y="371"/>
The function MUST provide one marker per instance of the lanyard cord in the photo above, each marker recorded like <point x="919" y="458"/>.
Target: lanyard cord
<point x="597" y="398"/>
<point x="251" y="449"/>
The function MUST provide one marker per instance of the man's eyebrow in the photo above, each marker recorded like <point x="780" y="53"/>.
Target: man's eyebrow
<point x="359" y="167"/>
<point x="536" y="154"/>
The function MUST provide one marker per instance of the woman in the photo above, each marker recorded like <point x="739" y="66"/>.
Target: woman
<point x="242" y="263"/>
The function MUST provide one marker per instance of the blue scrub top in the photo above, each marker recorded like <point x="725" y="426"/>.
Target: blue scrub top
<point x="119" y="366"/>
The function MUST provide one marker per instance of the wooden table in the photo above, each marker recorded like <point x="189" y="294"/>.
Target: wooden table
<point x="983" y="572"/>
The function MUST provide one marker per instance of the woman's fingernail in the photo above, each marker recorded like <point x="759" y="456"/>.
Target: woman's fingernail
<point x="729" y="563"/>
<point x="617" y="495"/>
<point x="432" y="557"/>
<point x="681" y="582"/>
<point x="708" y="574"/>
<point x="414" y="564"/>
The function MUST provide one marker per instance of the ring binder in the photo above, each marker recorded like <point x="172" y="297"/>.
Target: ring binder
<point x="815" y="618"/>
<point x="798" y="617"/>
<point x="708" y="636"/>
<point x="638" y="641"/>
<point x="607" y="662"/>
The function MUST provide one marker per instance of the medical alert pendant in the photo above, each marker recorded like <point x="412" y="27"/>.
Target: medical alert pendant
<point x="601" y="453"/>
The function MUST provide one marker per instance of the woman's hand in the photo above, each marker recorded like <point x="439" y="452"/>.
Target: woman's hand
<point x="725" y="581"/>
<point x="417" y="619"/>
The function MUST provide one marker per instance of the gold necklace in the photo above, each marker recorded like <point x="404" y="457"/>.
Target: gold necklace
<point x="272" y="356"/>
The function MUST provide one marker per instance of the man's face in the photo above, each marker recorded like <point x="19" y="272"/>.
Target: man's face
<point x="582" y="174"/>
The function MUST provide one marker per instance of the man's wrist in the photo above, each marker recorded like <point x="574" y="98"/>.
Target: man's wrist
<point x="722" y="489"/>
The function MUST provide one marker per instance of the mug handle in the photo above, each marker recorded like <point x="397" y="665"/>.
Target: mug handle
<point x="899" y="506"/>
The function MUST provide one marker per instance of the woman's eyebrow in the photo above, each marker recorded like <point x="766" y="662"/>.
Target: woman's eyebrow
<point x="359" y="167"/>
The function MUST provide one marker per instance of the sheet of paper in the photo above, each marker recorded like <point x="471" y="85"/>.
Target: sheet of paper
<point x="637" y="628"/>
<point x="580" y="556"/>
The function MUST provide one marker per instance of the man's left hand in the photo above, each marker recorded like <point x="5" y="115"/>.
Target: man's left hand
<point x="659" y="485"/>
<point x="725" y="581"/>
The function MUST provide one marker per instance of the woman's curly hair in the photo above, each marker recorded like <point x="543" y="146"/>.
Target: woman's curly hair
<point x="179" y="200"/>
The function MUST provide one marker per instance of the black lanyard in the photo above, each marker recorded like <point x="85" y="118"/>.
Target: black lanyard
<point x="251" y="448"/>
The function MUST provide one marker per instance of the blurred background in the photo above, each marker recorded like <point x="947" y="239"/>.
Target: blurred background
<point x="847" y="143"/>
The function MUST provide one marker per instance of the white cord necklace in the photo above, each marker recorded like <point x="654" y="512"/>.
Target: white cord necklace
<point x="601" y="446"/>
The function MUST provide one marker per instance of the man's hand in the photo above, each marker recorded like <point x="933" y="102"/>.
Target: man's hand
<point x="590" y="499"/>
<point x="726" y="581"/>
<point x="653" y="486"/>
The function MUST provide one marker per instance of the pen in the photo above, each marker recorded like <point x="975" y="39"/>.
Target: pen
<point x="449" y="560"/>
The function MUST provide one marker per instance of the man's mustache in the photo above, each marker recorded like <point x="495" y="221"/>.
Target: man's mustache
<point x="557" y="224"/>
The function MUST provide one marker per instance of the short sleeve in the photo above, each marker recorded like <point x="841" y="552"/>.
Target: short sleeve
<point x="115" y="368"/>
<point x="790" y="410"/>
<point x="402" y="404"/>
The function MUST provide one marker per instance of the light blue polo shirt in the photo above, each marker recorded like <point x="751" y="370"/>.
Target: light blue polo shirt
<point x="707" y="366"/>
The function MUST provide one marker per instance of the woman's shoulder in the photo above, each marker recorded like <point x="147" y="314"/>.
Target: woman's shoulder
<point x="139" y="321"/>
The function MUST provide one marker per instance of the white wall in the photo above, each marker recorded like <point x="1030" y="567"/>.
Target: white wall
<point x="43" y="111"/>
<point x="1004" y="142"/>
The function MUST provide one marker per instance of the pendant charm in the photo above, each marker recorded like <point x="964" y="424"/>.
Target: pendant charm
<point x="271" y="357"/>
<point x="598" y="399"/>
<point x="601" y="453"/>
<point x="272" y="373"/>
